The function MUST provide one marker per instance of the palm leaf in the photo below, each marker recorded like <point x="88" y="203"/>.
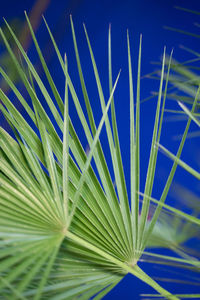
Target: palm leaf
<point x="63" y="232"/>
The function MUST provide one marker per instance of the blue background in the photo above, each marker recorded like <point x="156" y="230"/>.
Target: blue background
<point x="149" y="18"/>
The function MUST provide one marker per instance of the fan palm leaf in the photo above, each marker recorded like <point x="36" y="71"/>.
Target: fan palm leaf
<point x="63" y="233"/>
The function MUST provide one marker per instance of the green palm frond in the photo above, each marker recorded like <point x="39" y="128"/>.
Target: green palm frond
<point x="182" y="226"/>
<point x="191" y="115"/>
<point x="64" y="233"/>
<point x="195" y="119"/>
<point x="180" y="162"/>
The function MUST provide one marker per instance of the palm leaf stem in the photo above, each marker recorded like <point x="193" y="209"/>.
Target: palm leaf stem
<point x="135" y="270"/>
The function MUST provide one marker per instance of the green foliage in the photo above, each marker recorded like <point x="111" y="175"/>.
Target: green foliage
<point x="64" y="233"/>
